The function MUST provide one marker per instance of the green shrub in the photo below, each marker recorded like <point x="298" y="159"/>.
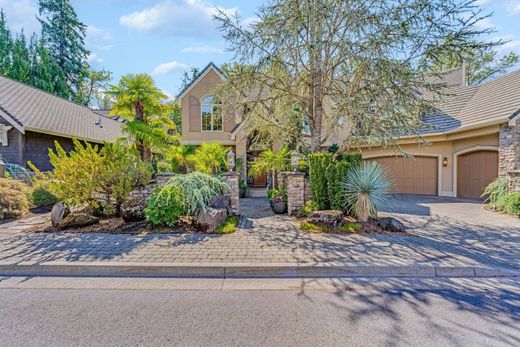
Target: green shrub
<point x="209" y="158"/>
<point x="336" y="173"/>
<point x="42" y="197"/>
<point x="183" y="195"/>
<point x="273" y="194"/>
<point x="366" y="189"/>
<point x="309" y="207"/>
<point x="496" y="192"/>
<point x="94" y="176"/>
<point x="166" y="206"/>
<point x="318" y="164"/>
<point x="512" y="204"/>
<point x="14" y="198"/>
<point x="229" y="226"/>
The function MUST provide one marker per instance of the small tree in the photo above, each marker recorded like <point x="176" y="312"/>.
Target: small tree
<point x="209" y="158"/>
<point x="272" y="162"/>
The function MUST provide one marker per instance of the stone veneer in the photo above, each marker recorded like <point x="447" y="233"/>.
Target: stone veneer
<point x="509" y="155"/>
<point x="233" y="179"/>
<point x="295" y="191"/>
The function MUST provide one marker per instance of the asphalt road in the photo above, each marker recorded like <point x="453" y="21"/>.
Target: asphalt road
<point x="157" y="312"/>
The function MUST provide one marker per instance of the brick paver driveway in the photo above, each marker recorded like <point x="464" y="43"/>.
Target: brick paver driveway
<point x="441" y="232"/>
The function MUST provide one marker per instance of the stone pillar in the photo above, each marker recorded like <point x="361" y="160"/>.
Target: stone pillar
<point x="509" y="149"/>
<point x="295" y="191"/>
<point x="232" y="179"/>
<point x="2" y="168"/>
<point x="514" y="181"/>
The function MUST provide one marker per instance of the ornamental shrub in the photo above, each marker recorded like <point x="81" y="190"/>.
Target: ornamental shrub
<point x="318" y="164"/>
<point x="309" y="207"/>
<point x="183" y="195"/>
<point x="512" y="204"/>
<point x="92" y="175"/>
<point x="42" y="197"/>
<point x="14" y="198"/>
<point x="496" y="193"/>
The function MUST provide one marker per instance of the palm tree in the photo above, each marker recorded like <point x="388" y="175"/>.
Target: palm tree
<point x="139" y="101"/>
<point x="273" y="162"/>
<point x="179" y="157"/>
<point x="209" y="157"/>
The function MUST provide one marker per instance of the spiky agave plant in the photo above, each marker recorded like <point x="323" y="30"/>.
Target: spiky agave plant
<point x="366" y="189"/>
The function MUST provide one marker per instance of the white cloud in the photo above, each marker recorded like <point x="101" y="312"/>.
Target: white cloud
<point x="485" y="24"/>
<point x="166" y="68"/>
<point x="202" y="49"/>
<point x="21" y="14"/>
<point x="513" y="7"/>
<point x="483" y="2"/>
<point x="98" y="38"/>
<point x="93" y="58"/>
<point x="182" y="18"/>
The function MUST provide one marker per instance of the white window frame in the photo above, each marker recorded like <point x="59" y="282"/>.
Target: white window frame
<point x="212" y="105"/>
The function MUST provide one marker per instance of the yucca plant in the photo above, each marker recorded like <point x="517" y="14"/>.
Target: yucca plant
<point x="366" y="189"/>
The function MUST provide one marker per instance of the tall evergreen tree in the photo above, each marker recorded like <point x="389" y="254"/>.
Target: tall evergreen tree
<point x="20" y="68"/>
<point x="6" y="43"/>
<point x="64" y="35"/>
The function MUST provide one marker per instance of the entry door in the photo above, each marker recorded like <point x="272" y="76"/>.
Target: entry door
<point x="260" y="180"/>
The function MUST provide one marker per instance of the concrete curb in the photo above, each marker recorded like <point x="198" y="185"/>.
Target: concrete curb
<point x="232" y="270"/>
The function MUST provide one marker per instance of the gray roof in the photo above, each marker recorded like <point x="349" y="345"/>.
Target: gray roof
<point x="488" y="103"/>
<point x="36" y="110"/>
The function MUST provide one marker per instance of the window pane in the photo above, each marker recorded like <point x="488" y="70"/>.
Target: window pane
<point x="206" y="121"/>
<point x="217" y="122"/>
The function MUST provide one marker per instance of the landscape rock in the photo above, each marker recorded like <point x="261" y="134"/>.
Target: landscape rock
<point x="222" y="201"/>
<point x="391" y="224"/>
<point x="77" y="220"/>
<point x="59" y="212"/>
<point x="132" y="210"/>
<point x="209" y="219"/>
<point x="330" y="219"/>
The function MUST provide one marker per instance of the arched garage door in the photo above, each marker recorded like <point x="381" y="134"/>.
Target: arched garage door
<point x="475" y="170"/>
<point x="411" y="176"/>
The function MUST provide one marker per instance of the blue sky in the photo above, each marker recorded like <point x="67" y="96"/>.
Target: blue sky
<point x="165" y="37"/>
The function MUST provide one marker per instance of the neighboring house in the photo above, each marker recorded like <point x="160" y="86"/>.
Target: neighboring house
<point x="31" y="120"/>
<point x="473" y="139"/>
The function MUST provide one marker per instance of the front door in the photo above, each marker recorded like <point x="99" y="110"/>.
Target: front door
<point x="259" y="180"/>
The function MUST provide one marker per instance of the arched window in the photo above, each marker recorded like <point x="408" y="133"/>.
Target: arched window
<point x="211" y="114"/>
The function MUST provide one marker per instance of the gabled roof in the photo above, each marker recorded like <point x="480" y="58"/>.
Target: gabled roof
<point x="493" y="102"/>
<point x="30" y="109"/>
<point x="200" y="75"/>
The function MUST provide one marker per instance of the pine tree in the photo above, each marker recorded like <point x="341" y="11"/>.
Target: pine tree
<point x="64" y="35"/>
<point x="20" y="68"/>
<point x="6" y="43"/>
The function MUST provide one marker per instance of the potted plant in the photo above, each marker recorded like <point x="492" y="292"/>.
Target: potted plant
<point x="278" y="200"/>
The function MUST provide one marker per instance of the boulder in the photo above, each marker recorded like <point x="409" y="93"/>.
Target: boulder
<point x="222" y="201"/>
<point x="77" y="220"/>
<point x="330" y="219"/>
<point x="391" y="224"/>
<point x="209" y="219"/>
<point x="132" y="210"/>
<point x="58" y="213"/>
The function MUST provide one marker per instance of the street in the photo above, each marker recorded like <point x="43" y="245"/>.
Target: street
<point x="251" y="312"/>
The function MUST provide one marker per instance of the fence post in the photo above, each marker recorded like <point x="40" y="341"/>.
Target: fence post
<point x="232" y="179"/>
<point x="295" y="191"/>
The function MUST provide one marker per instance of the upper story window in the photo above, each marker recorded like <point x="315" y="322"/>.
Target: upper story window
<point x="211" y="114"/>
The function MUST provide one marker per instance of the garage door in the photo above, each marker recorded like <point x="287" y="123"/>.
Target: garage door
<point x="411" y="176"/>
<point x="475" y="171"/>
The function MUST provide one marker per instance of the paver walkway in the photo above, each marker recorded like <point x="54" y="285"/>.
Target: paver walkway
<point x="442" y="232"/>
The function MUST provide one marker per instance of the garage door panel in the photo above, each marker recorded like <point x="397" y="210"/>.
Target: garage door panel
<point x="411" y="176"/>
<point x="475" y="171"/>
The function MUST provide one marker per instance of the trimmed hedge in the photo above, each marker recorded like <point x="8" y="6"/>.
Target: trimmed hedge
<point x="327" y="178"/>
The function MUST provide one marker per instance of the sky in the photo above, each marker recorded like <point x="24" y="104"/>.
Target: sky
<point x="166" y="37"/>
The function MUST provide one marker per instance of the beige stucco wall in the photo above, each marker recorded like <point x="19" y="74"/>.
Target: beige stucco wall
<point x="191" y="117"/>
<point x="446" y="146"/>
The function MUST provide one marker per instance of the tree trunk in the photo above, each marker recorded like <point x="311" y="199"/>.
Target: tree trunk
<point x="139" y="116"/>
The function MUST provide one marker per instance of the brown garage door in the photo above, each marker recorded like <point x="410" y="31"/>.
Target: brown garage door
<point x="411" y="176"/>
<point x="475" y="171"/>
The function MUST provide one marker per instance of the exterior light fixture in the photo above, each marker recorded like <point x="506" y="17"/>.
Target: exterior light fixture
<point x="445" y="161"/>
<point x="295" y="160"/>
<point x="230" y="160"/>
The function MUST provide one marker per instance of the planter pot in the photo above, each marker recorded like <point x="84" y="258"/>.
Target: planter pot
<point x="242" y="193"/>
<point x="279" y="207"/>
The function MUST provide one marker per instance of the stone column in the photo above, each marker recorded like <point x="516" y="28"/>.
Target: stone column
<point x="2" y="168"/>
<point x="232" y="179"/>
<point x="514" y="181"/>
<point x="295" y="191"/>
<point x="509" y="149"/>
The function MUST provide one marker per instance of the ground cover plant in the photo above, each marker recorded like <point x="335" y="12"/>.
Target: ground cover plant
<point x="14" y="198"/>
